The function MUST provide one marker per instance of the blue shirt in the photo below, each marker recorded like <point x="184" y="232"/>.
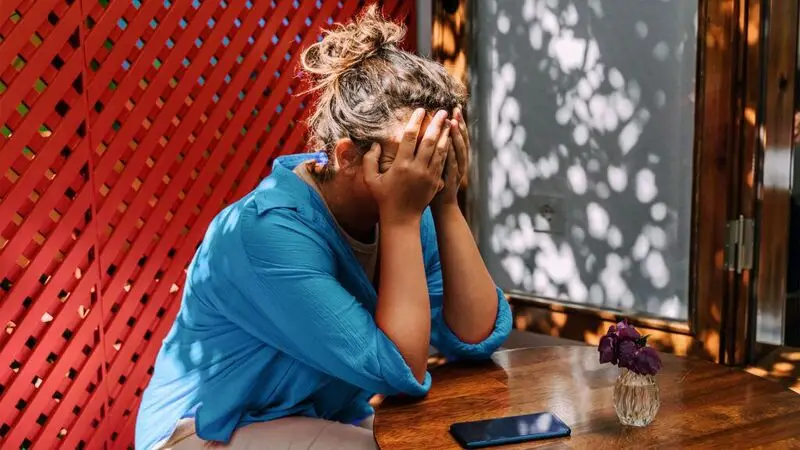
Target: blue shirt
<point x="277" y="320"/>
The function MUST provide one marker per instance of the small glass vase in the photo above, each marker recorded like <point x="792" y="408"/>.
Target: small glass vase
<point x="636" y="398"/>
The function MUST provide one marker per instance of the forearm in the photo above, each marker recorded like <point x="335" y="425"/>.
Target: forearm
<point x="403" y="311"/>
<point x="470" y="296"/>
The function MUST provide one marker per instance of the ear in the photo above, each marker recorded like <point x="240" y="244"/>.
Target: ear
<point x="347" y="155"/>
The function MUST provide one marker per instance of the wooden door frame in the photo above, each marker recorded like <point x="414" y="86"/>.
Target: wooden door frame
<point x="719" y="310"/>
<point x="770" y="199"/>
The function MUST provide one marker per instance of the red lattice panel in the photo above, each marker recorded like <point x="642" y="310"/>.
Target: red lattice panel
<point x="125" y="126"/>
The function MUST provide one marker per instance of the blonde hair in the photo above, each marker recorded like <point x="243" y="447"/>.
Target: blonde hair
<point x="361" y="79"/>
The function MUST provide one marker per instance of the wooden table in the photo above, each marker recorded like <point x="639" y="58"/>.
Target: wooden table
<point x="704" y="405"/>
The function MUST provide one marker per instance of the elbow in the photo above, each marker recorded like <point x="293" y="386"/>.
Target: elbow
<point x="473" y="338"/>
<point x="410" y="384"/>
<point x="504" y="322"/>
<point x="475" y="335"/>
<point x="419" y="367"/>
<point x="409" y="345"/>
<point x="455" y="346"/>
<point x="480" y="322"/>
<point x="419" y="375"/>
<point x="402" y="375"/>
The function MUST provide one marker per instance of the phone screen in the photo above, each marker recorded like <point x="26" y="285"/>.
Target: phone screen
<point x="506" y="430"/>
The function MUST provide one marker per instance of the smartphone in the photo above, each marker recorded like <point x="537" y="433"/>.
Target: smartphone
<point x="509" y="430"/>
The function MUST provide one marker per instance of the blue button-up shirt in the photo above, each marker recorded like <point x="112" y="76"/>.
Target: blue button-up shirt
<point x="277" y="320"/>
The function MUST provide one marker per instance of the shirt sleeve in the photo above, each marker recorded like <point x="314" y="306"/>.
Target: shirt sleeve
<point x="442" y="337"/>
<point x="295" y="304"/>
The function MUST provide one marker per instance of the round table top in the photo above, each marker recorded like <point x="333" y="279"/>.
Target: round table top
<point x="702" y="404"/>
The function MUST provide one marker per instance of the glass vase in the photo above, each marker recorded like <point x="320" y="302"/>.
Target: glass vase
<point x="636" y="398"/>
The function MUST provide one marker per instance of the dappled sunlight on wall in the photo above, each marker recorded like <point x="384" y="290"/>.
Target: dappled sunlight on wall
<point x="586" y="167"/>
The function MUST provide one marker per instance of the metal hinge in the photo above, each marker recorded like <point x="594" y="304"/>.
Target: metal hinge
<point x="739" y="244"/>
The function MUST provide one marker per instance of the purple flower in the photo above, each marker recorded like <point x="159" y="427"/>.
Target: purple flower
<point x="607" y="349"/>
<point x="627" y="354"/>
<point x="646" y="362"/>
<point x="625" y="347"/>
<point x="627" y="332"/>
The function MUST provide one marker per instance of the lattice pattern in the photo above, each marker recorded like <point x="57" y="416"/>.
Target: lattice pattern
<point x="125" y="126"/>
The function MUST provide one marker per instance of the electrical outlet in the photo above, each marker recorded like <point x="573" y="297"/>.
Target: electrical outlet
<point x="547" y="212"/>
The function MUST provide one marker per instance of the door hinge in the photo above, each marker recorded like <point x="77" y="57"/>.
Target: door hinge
<point x="739" y="244"/>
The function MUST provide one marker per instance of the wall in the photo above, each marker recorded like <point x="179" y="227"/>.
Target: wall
<point x="125" y="126"/>
<point x="585" y="114"/>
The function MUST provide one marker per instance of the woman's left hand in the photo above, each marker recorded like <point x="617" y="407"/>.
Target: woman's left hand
<point x="456" y="164"/>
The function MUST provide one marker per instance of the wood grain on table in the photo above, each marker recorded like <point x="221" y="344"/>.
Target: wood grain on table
<point x="704" y="405"/>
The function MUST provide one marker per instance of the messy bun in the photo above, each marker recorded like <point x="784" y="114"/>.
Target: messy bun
<point x="360" y="79"/>
<point x="345" y="46"/>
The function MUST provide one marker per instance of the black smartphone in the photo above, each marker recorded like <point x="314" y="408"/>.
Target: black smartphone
<point x="509" y="430"/>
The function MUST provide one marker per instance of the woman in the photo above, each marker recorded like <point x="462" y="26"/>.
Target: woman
<point x="326" y="284"/>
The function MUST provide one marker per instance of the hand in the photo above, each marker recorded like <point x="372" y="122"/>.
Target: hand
<point x="455" y="167"/>
<point x="408" y="186"/>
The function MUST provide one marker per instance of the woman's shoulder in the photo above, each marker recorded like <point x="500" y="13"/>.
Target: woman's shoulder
<point x="241" y="239"/>
<point x="270" y="212"/>
<point x="278" y="191"/>
<point x="266" y="217"/>
<point x="274" y="217"/>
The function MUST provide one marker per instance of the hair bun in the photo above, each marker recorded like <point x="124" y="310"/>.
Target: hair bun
<point x="345" y="46"/>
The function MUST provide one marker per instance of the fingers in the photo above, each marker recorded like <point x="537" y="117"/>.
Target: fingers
<point x="452" y="174"/>
<point x="370" y="162"/>
<point x="432" y="136"/>
<point x="441" y="151"/>
<point x="409" y="141"/>
<point x="462" y="125"/>
<point x="461" y="149"/>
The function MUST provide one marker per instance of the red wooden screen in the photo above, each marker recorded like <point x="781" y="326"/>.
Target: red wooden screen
<point x="125" y="126"/>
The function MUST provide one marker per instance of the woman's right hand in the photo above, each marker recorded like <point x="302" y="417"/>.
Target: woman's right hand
<point x="408" y="186"/>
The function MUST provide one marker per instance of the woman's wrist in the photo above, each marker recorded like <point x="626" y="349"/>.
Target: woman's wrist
<point x="446" y="210"/>
<point x="399" y="221"/>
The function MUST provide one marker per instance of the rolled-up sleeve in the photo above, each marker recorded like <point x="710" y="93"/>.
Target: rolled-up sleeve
<point x="295" y="304"/>
<point x="444" y="340"/>
<point x="442" y="337"/>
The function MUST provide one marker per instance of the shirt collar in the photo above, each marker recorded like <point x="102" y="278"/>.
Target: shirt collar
<point x="292" y="192"/>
